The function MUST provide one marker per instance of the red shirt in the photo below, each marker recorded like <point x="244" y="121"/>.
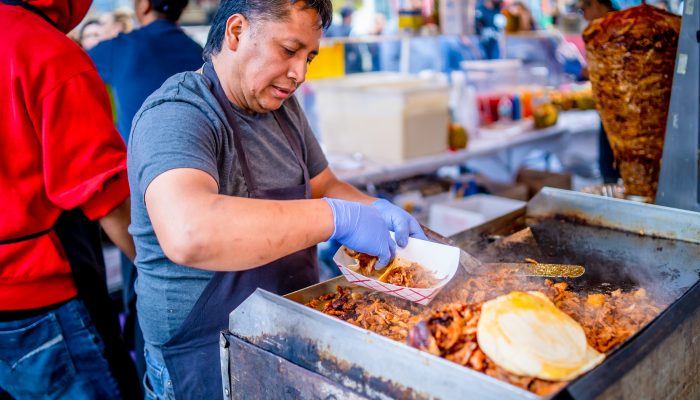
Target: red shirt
<point x="58" y="150"/>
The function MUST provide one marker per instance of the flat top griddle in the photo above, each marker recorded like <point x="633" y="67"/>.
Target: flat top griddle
<point x="620" y="243"/>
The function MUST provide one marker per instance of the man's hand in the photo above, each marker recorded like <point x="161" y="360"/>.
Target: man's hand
<point x="362" y="228"/>
<point x="400" y="222"/>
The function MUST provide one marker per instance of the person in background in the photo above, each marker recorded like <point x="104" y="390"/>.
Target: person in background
<point x="344" y="28"/>
<point x="377" y="29"/>
<point x="486" y="12"/>
<point x="353" y="56"/>
<point x="62" y="177"/>
<point x="519" y="18"/>
<point x="134" y="65"/>
<point x="378" y="25"/>
<point x="231" y="191"/>
<point x="90" y="34"/>
<point x="116" y="22"/>
<point x="591" y="10"/>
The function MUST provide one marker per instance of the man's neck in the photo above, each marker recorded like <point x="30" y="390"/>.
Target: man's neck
<point x="226" y="71"/>
<point x="148" y="19"/>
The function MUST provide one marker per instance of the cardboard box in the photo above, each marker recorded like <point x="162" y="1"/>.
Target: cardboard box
<point x="535" y="180"/>
<point x="386" y="117"/>
<point x="516" y="191"/>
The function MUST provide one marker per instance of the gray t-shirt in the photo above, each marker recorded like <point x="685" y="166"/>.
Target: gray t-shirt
<point x="181" y="125"/>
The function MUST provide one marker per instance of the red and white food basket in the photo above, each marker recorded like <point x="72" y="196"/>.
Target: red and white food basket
<point x="440" y="259"/>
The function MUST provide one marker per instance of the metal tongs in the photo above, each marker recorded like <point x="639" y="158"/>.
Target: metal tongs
<point x="531" y="268"/>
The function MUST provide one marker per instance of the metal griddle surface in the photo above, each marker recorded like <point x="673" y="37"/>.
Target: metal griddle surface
<point x="621" y="245"/>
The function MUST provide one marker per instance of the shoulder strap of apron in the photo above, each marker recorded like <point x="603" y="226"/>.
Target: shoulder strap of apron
<point x="30" y="8"/>
<point x="281" y="119"/>
<point x="225" y="103"/>
<point x="26" y="237"/>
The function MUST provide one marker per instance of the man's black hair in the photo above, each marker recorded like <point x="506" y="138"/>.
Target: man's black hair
<point x="346" y="11"/>
<point x="270" y="10"/>
<point x="169" y="9"/>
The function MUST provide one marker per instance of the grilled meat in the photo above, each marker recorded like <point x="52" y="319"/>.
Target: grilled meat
<point x="400" y="272"/>
<point x="631" y="56"/>
<point x="448" y="328"/>
<point x="365" y="261"/>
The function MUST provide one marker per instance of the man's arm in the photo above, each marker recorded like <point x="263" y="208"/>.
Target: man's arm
<point x="115" y="225"/>
<point x="198" y="227"/>
<point x="326" y="184"/>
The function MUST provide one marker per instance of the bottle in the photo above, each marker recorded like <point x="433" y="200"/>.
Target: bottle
<point x="466" y="108"/>
<point x="526" y="104"/>
<point x="516" y="108"/>
<point x="471" y="122"/>
<point x="505" y="109"/>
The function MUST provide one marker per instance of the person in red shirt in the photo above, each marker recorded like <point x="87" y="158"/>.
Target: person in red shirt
<point x="62" y="176"/>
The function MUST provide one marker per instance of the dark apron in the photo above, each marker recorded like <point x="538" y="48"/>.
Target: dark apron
<point x="80" y="240"/>
<point x="192" y="354"/>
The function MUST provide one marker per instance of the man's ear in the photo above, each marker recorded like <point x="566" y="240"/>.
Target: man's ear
<point x="144" y="6"/>
<point x="234" y="27"/>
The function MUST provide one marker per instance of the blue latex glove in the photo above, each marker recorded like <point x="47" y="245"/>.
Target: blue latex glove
<point x="400" y="222"/>
<point x="362" y="228"/>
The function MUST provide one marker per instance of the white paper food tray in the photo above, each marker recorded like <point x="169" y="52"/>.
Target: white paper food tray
<point x="442" y="260"/>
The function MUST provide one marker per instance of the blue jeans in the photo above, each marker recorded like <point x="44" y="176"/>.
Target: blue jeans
<point x="55" y="355"/>
<point x="156" y="382"/>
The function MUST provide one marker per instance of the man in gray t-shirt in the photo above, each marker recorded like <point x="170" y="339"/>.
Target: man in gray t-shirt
<point x="230" y="190"/>
<point x="166" y="290"/>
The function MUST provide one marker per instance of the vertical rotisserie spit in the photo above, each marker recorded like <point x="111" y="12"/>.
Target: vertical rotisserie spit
<point x="631" y="57"/>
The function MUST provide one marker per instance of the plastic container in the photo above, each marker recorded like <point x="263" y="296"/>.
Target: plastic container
<point x="455" y="216"/>
<point x="384" y="116"/>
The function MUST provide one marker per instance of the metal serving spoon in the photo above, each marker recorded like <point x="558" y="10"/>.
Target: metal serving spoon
<point x="532" y="268"/>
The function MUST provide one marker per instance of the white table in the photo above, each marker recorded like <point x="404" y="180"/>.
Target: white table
<point x="503" y="147"/>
